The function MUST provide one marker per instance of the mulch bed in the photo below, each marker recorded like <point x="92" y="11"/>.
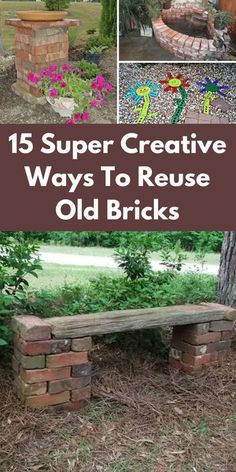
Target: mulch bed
<point x="141" y="419"/>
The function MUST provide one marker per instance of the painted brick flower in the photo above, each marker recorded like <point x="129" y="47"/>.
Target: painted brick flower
<point x="175" y="83"/>
<point x="142" y="93"/>
<point x="210" y="88"/>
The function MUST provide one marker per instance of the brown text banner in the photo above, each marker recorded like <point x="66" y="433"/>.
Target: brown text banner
<point x="117" y="177"/>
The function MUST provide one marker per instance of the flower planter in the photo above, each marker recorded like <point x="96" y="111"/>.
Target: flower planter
<point x="63" y="106"/>
<point x="42" y="15"/>
<point x="93" y="58"/>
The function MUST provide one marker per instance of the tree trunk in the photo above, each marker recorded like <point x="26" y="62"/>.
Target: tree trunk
<point x="227" y="272"/>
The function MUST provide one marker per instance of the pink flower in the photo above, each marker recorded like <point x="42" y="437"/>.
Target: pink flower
<point x="77" y="116"/>
<point x="53" y="68"/>
<point x="66" y="67"/>
<point x="63" y="84"/>
<point x="57" y="77"/>
<point x="93" y="103"/>
<point x="43" y="73"/>
<point x="109" y="87"/>
<point x="53" y="92"/>
<point x="85" y="116"/>
<point x="70" y="122"/>
<point x="33" y="78"/>
<point x="100" y="79"/>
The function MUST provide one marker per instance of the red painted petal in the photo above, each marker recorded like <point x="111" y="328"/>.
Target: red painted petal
<point x="185" y="85"/>
<point x="163" y="81"/>
<point x="167" y="89"/>
<point x="169" y="75"/>
<point x="178" y="76"/>
<point x="175" y="89"/>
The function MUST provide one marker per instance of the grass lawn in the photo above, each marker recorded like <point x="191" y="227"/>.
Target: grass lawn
<point x="210" y="258"/>
<point x="55" y="275"/>
<point x="87" y="13"/>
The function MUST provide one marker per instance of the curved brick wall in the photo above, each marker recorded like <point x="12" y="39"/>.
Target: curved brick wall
<point x="182" y="45"/>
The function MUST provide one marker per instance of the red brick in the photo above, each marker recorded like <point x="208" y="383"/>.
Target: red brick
<point x="81" y="394"/>
<point x="67" y="358"/>
<point x="202" y="338"/>
<point x="31" y="328"/>
<point x="81" y="370"/>
<point x="33" y="348"/>
<point x="42" y="401"/>
<point x="61" y="345"/>
<point x="219" y="346"/>
<point x="25" y="389"/>
<point x="56" y="386"/>
<point x="81" y="344"/>
<point x="40" y="375"/>
<point x="221" y="325"/>
<point x="197" y="361"/>
<point x="227" y="334"/>
<point x="175" y="354"/>
<point x="186" y="347"/>
<point x="30" y="362"/>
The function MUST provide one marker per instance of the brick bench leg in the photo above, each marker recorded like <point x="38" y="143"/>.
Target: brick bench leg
<point x="196" y="346"/>
<point x="50" y="371"/>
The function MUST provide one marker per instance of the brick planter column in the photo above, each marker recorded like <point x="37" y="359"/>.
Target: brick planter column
<point x="196" y="346"/>
<point x="37" y="45"/>
<point x="50" y="371"/>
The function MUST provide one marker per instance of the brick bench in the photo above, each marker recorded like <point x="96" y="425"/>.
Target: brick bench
<point x="51" y="356"/>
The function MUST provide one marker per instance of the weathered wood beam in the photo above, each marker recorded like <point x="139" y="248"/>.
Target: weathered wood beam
<point x="130" y="320"/>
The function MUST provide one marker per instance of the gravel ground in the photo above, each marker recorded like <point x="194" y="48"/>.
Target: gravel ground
<point x="164" y="103"/>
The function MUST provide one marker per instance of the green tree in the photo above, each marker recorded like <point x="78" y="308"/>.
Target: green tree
<point x="17" y="260"/>
<point x="56" y="5"/>
<point x="108" y="19"/>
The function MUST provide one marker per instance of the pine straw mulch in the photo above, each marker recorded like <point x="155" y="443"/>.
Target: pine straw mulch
<point x="142" y="419"/>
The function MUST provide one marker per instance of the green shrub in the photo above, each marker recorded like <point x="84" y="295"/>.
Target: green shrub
<point x="56" y="5"/>
<point x="90" y="70"/>
<point x="223" y="19"/>
<point x="17" y="260"/>
<point x="97" y="41"/>
<point x="133" y="261"/>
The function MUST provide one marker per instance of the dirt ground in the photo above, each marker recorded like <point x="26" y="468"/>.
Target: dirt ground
<point x="142" y="419"/>
<point x="15" y="110"/>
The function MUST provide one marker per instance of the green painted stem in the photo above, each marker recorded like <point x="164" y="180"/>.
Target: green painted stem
<point x="144" y="112"/>
<point x="181" y="104"/>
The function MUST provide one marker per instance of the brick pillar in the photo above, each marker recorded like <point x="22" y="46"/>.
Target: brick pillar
<point x="38" y="44"/>
<point x="200" y="345"/>
<point x="50" y="371"/>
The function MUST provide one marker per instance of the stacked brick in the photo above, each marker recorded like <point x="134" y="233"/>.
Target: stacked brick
<point x="199" y="345"/>
<point x="37" y="45"/>
<point x="50" y="371"/>
<point x="182" y="45"/>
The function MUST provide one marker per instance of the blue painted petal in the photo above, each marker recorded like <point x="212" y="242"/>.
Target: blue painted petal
<point x="208" y="80"/>
<point x="137" y="100"/>
<point x="156" y="86"/>
<point x="149" y="82"/>
<point x="130" y="95"/>
<point x="201" y="84"/>
<point x="154" y="94"/>
<point x="202" y="90"/>
<point x="138" y="84"/>
<point x="222" y="94"/>
<point x="225" y="87"/>
<point x="133" y="89"/>
<point x="215" y="82"/>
